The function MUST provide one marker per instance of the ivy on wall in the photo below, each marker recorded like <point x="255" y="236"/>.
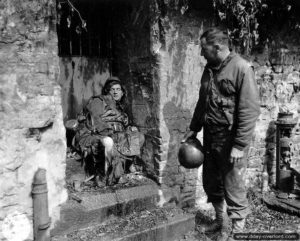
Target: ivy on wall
<point x="249" y="22"/>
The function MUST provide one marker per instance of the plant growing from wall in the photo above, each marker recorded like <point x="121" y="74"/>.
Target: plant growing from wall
<point x="249" y="22"/>
<point x="72" y="10"/>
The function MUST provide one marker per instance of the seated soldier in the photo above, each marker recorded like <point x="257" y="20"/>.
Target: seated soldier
<point x="104" y="138"/>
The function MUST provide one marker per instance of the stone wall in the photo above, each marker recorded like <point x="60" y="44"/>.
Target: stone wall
<point x="160" y="66"/>
<point x="32" y="134"/>
<point x="80" y="78"/>
<point x="277" y="75"/>
<point x="134" y="64"/>
<point x="176" y="46"/>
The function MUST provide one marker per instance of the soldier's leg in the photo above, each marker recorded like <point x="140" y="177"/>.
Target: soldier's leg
<point x="108" y="144"/>
<point x="212" y="178"/>
<point x="214" y="188"/>
<point x="236" y="193"/>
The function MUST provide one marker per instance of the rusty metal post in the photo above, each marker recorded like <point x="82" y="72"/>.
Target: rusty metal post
<point x="41" y="219"/>
<point x="284" y="176"/>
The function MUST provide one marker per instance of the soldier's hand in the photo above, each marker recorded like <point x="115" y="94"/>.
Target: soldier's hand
<point x="188" y="135"/>
<point x="236" y="155"/>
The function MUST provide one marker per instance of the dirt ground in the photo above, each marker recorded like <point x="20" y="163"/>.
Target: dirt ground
<point x="261" y="220"/>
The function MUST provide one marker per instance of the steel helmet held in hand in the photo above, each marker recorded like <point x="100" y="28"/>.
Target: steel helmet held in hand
<point x="190" y="154"/>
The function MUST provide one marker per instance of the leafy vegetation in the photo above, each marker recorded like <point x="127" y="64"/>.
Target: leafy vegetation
<point x="250" y="22"/>
<point x="261" y="219"/>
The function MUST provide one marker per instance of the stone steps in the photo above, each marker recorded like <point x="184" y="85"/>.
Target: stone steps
<point x="127" y="214"/>
<point x="98" y="207"/>
<point x="159" y="224"/>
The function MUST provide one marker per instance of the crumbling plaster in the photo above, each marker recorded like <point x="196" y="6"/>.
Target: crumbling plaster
<point x="32" y="133"/>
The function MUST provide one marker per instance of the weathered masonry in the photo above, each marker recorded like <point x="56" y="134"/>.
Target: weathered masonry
<point x="153" y="47"/>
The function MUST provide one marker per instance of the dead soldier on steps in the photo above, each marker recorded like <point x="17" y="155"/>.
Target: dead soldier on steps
<point x="105" y="138"/>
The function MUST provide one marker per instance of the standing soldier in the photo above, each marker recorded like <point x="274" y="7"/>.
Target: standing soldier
<point x="227" y="109"/>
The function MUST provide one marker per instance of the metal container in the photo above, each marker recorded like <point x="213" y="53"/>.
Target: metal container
<point x="286" y="180"/>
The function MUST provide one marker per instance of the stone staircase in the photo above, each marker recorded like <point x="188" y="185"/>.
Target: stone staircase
<point x="127" y="214"/>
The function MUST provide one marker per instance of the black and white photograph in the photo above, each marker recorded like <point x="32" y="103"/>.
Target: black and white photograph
<point x="149" y="120"/>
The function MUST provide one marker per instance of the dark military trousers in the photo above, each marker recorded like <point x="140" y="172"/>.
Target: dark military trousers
<point x="222" y="179"/>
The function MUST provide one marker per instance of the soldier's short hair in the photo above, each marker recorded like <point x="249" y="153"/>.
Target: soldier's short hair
<point x="215" y="35"/>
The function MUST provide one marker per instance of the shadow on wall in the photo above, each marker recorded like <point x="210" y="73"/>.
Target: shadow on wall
<point x="180" y="182"/>
<point x="80" y="78"/>
<point x="72" y="102"/>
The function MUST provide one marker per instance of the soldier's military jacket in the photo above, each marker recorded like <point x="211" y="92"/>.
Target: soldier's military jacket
<point x="228" y="101"/>
<point x="102" y="116"/>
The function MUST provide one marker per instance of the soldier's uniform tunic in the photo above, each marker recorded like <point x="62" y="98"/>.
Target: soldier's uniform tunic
<point x="227" y="109"/>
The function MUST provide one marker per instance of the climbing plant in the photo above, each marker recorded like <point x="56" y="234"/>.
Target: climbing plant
<point x="73" y="12"/>
<point x="248" y="21"/>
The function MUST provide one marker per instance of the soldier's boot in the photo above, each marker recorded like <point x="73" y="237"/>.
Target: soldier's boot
<point x="220" y="221"/>
<point x="237" y="227"/>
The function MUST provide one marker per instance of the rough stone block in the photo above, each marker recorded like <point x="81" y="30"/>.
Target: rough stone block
<point x="253" y="178"/>
<point x="97" y="208"/>
<point x="255" y="162"/>
<point x="29" y="100"/>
